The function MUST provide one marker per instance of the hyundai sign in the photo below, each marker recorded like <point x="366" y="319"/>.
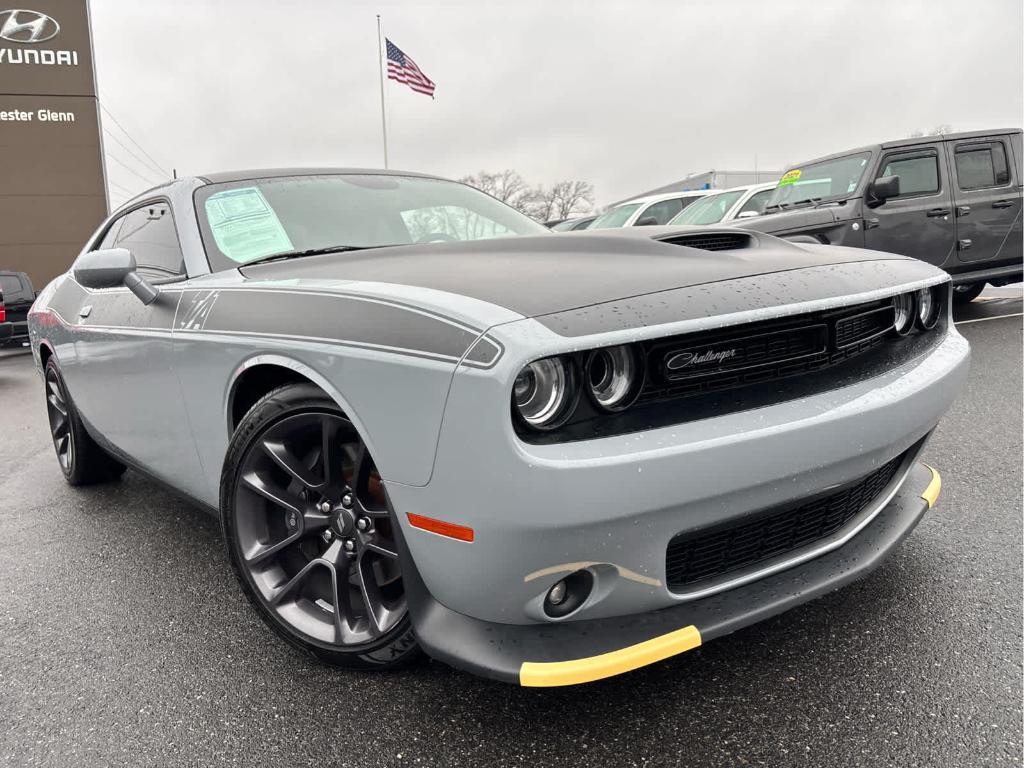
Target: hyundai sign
<point x="52" y="189"/>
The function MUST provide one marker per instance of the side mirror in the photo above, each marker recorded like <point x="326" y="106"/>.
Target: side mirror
<point x="647" y="221"/>
<point x="111" y="268"/>
<point x="881" y="189"/>
<point x="748" y="215"/>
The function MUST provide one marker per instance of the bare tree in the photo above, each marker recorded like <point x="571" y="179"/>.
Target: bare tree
<point x="939" y="130"/>
<point x="562" y="200"/>
<point x="507" y="186"/>
<point x="572" y="198"/>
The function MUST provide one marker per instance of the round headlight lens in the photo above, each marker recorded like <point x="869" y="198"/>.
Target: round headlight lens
<point x="904" y="305"/>
<point x="612" y="375"/>
<point x="543" y="392"/>
<point x="928" y="307"/>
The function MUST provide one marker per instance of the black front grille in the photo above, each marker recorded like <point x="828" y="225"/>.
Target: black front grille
<point x="712" y="241"/>
<point x="865" y="326"/>
<point x="711" y="361"/>
<point x="709" y="554"/>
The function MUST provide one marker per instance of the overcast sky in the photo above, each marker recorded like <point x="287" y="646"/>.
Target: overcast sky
<point x="627" y="95"/>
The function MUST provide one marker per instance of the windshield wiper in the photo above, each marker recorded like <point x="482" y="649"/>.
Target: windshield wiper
<point x="783" y="204"/>
<point x="311" y="252"/>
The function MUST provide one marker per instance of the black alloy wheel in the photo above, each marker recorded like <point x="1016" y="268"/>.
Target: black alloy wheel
<point x="60" y="420"/>
<point x="310" y="534"/>
<point x="81" y="460"/>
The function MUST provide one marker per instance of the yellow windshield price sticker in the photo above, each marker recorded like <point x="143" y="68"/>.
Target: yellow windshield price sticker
<point x="790" y="177"/>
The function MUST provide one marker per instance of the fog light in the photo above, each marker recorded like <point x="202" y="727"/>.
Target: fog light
<point x="568" y="594"/>
<point x="557" y="593"/>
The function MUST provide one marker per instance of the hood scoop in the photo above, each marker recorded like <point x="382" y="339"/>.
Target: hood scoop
<point x="712" y="241"/>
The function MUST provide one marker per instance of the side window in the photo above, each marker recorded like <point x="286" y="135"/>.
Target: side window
<point x="981" y="165"/>
<point x="663" y="211"/>
<point x="148" y="232"/>
<point x="756" y="202"/>
<point x="10" y="285"/>
<point x="110" y="236"/>
<point x="919" y="173"/>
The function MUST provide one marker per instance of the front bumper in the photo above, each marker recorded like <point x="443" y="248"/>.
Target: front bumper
<point x="575" y="652"/>
<point x="611" y="505"/>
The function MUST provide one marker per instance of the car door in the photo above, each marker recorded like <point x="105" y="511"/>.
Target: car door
<point x="123" y="380"/>
<point x="918" y="222"/>
<point x="988" y="201"/>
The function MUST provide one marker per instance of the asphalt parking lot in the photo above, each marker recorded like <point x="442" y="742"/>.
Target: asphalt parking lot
<point x="125" y="640"/>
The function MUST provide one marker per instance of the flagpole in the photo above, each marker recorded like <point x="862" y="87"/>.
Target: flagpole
<point x="380" y="64"/>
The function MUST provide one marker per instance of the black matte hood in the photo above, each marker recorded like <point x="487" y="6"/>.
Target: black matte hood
<point x="551" y="273"/>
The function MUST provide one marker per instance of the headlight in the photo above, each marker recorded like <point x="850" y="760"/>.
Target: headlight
<point x="545" y="391"/>
<point x="613" y="375"/>
<point x="928" y="304"/>
<point x="904" y="305"/>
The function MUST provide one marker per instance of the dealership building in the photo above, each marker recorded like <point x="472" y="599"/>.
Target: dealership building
<point x="53" y="185"/>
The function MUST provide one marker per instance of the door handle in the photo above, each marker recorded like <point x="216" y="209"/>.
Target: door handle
<point x="963" y="245"/>
<point x="936" y="212"/>
<point x="870" y="223"/>
<point x="1003" y="204"/>
<point x="963" y="210"/>
<point x="85" y="311"/>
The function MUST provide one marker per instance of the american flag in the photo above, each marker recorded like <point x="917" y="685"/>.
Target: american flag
<point x="404" y="70"/>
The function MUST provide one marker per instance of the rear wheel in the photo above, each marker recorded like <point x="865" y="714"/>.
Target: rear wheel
<point x="81" y="460"/>
<point x="310" y="534"/>
<point x="965" y="293"/>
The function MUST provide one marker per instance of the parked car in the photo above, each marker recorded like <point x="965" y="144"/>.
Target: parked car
<point x="647" y="211"/>
<point x="952" y="200"/>
<point x="16" y="296"/>
<point x="425" y="421"/>
<point x="573" y="225"/>
<point x="738" y="202"/>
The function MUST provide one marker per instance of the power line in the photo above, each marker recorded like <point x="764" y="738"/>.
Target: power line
<point x="131" y="170"/>
<point x="126" y="149"/>
<point x="125" y="131"/>
<point x="121" y="188"/>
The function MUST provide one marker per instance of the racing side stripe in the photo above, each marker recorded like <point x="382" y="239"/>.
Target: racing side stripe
<point x="328" y="317"/>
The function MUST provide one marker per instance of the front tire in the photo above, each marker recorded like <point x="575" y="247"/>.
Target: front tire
<point x="81" y="460"/>
<point x="309" y="532"/>
<point x="965" y="293"/>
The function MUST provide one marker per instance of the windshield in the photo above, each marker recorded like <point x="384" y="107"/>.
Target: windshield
<point x="616" y="217"/>
<point x="248" y="220"/>
<point x="710" y="209"/>
<point x="827" y="180"/>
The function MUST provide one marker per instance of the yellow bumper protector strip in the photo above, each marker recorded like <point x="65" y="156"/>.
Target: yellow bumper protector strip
<point x="549" y="674"/>
<point x="931" y="493"/>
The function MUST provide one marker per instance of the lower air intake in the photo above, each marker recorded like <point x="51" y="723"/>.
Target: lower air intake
<point x="703" y="556"/>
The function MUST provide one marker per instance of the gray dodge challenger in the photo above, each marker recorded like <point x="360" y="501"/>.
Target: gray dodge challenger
<point x="427" y="424"/>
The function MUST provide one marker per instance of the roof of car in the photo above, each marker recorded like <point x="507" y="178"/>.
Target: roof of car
<point x="269" y="173"/>
<point x="910" y="142"/>
<point x="667" y="196"/>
